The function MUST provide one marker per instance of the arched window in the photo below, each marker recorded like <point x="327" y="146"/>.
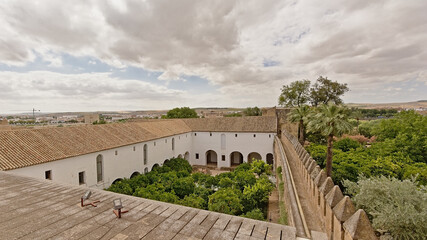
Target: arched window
<point x="99" y="170"/>
<point x="236" y="158"/>
<point x="223" y="141"/>
<point x="145" y="154"/>
<point x="253" y="155"/>
<point x="146" y="170"/>
<point x="173" y="144"/>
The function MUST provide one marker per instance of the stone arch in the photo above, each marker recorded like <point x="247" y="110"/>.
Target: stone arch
<point x="270" y="158"/>
<point x="180" y="156"/>
<point x="166" y="161"/>
<point x="211" y="157"/>
<point x="117" y="180"/>
<point x="187" y="156"/>
<point x="145" y="170"/>
<point x="155" y="166"/>
<point x="236" y="158"/>
<point x="134" y="174"/>
<point x="253" y="155"/>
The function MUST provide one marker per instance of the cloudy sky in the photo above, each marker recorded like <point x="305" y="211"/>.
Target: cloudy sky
<point x="157" y="54"/>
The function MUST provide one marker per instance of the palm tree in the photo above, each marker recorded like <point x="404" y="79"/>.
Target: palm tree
<point x="357" y="114"/>
<point x="330" y="121"/>
<point x="299" y="115"/>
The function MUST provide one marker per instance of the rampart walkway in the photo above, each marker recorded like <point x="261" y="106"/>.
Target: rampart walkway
<point x="313" y="221"/>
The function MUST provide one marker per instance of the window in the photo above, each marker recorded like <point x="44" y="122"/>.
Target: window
<point x="134" y="148"/>
<point x="146" y="170"/>
<point x="195" y="134"/>
<point x="166" y="141"/>
<point x="197" y="156"/>
<point x="154" y="143"/>
<point x="254" y="135"/>
<point x="145" y="153"/>
<point x="210" y="134"/>
<point x="223" y="157"/>
<point x="235" y="135"/>
<point x="82" y="178"/>
<point x="116" y="152"/>
<point x="223" y="141"/>
<point x="173" y="144"/>
<point x="48" y="174"/>
<point x="269" y="135"/>
<point x="99" y="175"/>
<point x="179" y="137"/>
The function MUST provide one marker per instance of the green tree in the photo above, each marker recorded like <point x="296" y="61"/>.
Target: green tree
<point x="254" y="214"/>
<point x="260" y="167"/>
<point x="299" y="115"/>
<point x="226" y="200"/>
<point x="184" y="112"/>
<point x="255" y="111"/>
<point x="397" y="206"/>
<point x="356" y="114"/>
<point x="256" y="196"/>
<point x="121" y="187"/>
<point x="183" y="186"/>
<point x="330" y="121"/>
<point x="225" y="182"/>
<point x="295" y="94"/>
<point x="243" y="179"/>
<point x="193" y="200"/>
<point x="346" y="144"/>
<point x="326" y="91"/>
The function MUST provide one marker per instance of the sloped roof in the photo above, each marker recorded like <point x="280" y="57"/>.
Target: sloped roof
<point x="233" y="124"/>
<point x="22" y="148"/>
<point x="52" y="210"/>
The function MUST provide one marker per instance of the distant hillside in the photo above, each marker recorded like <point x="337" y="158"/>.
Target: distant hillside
<point x="405" y="105"/>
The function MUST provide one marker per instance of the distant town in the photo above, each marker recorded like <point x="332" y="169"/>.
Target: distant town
<point x="38" y="118"/>
<point x="71" y="118"/>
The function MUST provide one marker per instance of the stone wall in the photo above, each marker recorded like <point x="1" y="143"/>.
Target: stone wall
<point x="282" y="119"/>
<point x="342" y="220"/>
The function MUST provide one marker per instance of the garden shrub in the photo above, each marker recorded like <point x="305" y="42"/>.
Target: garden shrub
<point x="399" y="207"/>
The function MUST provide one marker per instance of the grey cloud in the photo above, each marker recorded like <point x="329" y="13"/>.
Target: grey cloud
<point x="226" y="42"/>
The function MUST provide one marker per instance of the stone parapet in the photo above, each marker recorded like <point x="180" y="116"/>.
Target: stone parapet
<point x="342" y="220"/>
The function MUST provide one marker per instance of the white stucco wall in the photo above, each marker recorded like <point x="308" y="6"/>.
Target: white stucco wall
<point x="128" y="160"/>
<point x="245" y="143"/>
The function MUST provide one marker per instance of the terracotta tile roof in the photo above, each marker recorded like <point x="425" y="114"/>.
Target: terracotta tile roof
<point x="233" y="124"/>
<point x="22" y="148"/>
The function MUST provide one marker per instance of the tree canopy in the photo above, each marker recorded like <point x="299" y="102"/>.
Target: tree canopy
<point x="184" y="112"/>
<point x="295" y="94"/>
<point x="255" y="111"/>
<point x="399" y="207"/>
<point x="331" y="121"/>
<point x="323" y="91"/>
<point x="299" y="115"/>
<point x="326" y="91"/>
<point x="244" y="191"/>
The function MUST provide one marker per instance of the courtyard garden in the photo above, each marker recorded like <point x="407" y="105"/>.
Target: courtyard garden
<point x="242" y="192"/>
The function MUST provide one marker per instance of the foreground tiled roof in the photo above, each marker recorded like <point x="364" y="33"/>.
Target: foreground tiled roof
<point x="22" y="148"/>
<point x="40" y="209"/>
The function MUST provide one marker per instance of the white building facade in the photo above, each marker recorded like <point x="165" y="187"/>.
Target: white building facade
<point x="100" y="169"/>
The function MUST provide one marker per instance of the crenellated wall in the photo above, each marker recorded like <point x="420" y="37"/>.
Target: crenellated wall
<point x="342" y="220"/>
